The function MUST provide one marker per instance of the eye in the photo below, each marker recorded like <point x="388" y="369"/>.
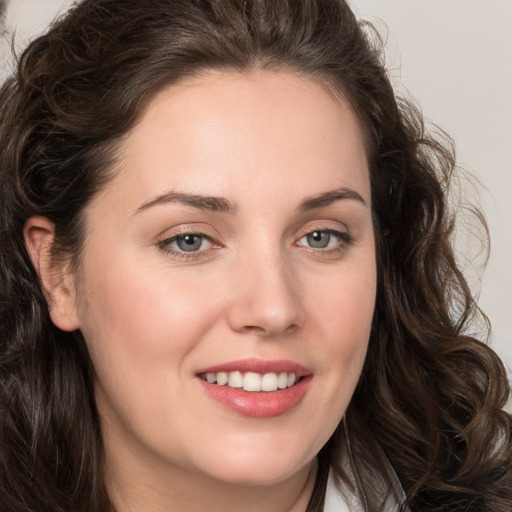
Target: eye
<point x="189" y="242"/>
<point x="318" y="239"/>
<point x="325" y="239"/>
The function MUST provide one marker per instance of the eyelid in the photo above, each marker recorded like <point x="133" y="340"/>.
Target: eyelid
<point x="343" y="234"/>
<point x="187" y="228"/>
<point x="329" y="225"/>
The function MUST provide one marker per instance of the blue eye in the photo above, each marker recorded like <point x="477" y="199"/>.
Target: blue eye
<point x="325" y="239"/>
<point x="188" y="243"/>
<point x="318" y="239"/>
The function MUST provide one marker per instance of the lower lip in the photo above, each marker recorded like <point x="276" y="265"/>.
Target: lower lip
<point x="261" y="404"/>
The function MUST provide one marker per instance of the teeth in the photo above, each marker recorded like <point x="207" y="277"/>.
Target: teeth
<point x="269" y="382"/>
<point x="222" y="378"/>
<point x="252" y="381"/>
<point x="235" y="380"/>
<point x="282" y="380"/>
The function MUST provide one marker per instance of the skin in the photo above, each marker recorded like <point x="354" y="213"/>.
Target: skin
<point x="152" y="315"/>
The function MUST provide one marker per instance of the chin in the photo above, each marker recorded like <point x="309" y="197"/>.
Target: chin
<point x="254" y="474"/>
<point x="258" y="462"/>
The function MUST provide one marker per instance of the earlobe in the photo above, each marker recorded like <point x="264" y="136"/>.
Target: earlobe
<point x="53" y="272"/>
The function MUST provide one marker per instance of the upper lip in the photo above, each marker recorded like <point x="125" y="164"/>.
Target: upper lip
<point x="258" y="366"/>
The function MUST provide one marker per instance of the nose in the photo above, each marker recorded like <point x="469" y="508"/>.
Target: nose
<point x="265" y="298"/>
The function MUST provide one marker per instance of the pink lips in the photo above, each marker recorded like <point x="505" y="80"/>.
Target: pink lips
<point x="258" y="404"/>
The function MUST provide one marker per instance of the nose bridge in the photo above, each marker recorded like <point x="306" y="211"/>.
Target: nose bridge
<point x="265" y="297"/>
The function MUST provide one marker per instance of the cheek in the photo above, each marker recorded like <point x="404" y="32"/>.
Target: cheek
<point x="140" y="327"/>
<point x="138" y="319"/>
<point x="343" y="322"/>
<point x="344" y="308"/>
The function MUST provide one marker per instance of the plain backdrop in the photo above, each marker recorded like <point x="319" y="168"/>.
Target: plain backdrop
<point x="455" y="58"/>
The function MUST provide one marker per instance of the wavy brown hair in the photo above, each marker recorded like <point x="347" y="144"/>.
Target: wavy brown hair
<point x="429" y="405"/>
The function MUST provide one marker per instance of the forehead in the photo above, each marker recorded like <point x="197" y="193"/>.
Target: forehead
<point x="220" y="128"/>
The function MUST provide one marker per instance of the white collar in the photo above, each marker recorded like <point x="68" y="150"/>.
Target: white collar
<point x="338" y="501"/>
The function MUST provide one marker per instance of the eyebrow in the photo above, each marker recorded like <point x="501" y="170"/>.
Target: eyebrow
<point x="209" y="203"/>
<point x="223" y="205"/>
<point x="327" y="198"/>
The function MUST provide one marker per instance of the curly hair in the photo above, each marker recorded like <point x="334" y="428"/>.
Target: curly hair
<point x="430" y="399"/>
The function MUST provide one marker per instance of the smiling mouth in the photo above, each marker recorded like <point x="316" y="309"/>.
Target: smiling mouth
<point x="252" y="381"/>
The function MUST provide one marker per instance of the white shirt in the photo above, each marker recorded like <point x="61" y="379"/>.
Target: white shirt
<point x="336" y="502"/>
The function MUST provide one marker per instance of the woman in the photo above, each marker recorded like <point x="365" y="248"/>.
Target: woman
<point x="226" y="275"/>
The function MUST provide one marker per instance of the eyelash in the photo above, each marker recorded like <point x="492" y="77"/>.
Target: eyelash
<point x="345" y="239"/>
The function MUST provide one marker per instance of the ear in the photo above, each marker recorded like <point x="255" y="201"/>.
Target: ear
<point x="57" y="281"/>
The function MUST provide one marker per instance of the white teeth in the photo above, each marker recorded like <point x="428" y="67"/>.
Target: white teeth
<point x="222" y="378"/>
<point x="269" y="382"/>
<point x="252" y="381"/>
<point x="235" y="380"/>
<point x="282" y="380"/>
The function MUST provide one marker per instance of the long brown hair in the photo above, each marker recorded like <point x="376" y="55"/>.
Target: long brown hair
<point x="429" y="403"/>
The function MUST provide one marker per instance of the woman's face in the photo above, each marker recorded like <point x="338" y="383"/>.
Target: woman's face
<point x="235" y="243"/>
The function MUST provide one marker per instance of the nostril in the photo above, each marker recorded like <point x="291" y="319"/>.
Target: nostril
<point x="268" y="330"/>
<point x="253" y="329"/>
